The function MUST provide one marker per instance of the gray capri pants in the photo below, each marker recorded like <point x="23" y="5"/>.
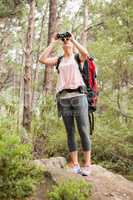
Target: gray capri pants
<point x="76" y="107"/>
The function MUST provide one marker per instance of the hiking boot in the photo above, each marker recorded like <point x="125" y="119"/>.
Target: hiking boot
<point x="86" y="171"/>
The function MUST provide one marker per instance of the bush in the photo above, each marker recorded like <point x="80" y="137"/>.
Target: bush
<point x="112" y="144"/>
<point x="72" y="190"/>
<point x="49" y="128"/>
<point x="18" y="176"/>
<point x="45" y="118"/>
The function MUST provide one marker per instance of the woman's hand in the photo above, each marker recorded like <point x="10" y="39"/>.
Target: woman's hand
<point x="82" y="51"/>
<point x="72" y="37"/>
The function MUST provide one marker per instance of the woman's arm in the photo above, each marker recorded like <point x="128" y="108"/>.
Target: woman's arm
<point x="83" y="52"/>
<point x="44" y="57"/>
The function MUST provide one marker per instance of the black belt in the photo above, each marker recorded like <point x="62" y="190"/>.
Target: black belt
<point x="80" y="89"/>
<point x="70" y="90"/>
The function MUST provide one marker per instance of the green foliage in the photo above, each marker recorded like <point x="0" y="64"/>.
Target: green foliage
<point x="114" y="40"/>
<point x="112" y="140"/>
<point x="8" y="103"/>
<point x="46" y="114"/>
<point x="111" y="144"/>
<point x="47" y="124"/>
<point x="57" y="144"/>
<point x="72" y="190"/>
<point x="40" y="3"/>
<point x="18" y="175"/>
<point x="9" y="8"/>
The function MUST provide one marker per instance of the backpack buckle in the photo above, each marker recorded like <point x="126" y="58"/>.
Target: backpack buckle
<point x="83" y="89"/>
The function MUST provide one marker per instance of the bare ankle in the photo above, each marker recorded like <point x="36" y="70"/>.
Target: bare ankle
<point x="87" y="164"/>
<point x="72" y="164"/>
<point x="75" y="163"/>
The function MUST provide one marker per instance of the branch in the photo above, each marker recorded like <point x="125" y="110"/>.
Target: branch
<point x="95" y="25"/>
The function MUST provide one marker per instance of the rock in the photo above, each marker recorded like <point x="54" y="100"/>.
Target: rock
<point x="54" y="162"/>
<point x="54" y="173"/>
<point x="105" y="184"/>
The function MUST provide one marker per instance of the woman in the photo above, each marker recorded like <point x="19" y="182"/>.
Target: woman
<point x="73" y="103"/>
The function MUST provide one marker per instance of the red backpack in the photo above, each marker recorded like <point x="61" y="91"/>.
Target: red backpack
<point x="89" y="76"/>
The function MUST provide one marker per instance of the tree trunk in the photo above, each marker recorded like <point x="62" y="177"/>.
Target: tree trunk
<point x="85" y="24"/>
<point x="27" y="112"/>
<point x="36" y="73"/>
<point x="52" y="29"/>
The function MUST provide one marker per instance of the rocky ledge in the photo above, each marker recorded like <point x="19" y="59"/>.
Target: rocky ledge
<point x="105" y="184"/>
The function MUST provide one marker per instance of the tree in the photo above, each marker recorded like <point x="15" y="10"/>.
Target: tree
<point x="27" y="110"/>
<point x="51" y="31"/>
<point x="36" y="73"/>
<point x="85" y="22"/>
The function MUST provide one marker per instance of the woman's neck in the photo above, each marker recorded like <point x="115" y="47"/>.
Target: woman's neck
<point x="68" y="54"/>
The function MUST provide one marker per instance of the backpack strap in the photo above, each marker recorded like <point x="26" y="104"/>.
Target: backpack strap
<point x="89" y="62"/>
<point x="86" y="73"/>
<point x="77" y="58"/>
<point x="91" y="122"/>
<point x="58" y="62"/>
<point x="92" y="66"/>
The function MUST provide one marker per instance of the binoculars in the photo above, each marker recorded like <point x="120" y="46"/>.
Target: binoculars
<point x="63" y="36"/>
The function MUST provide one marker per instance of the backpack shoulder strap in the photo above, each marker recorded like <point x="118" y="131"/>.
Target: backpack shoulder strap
<point x="58" y="62"/>
<point x="77" y="58"/>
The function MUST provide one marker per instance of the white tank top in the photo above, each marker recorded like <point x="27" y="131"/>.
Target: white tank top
<point x="69" y="76"/>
